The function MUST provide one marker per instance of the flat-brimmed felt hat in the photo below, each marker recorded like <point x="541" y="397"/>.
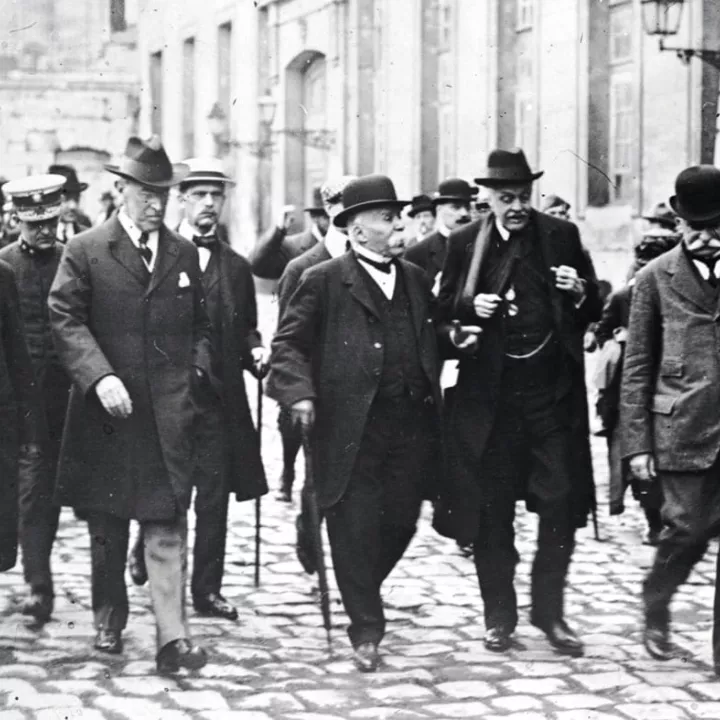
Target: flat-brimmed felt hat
<point x="697" y="194"/>
<point x="147" y="163"/>
<point x="72" y="184"/>
<point x="317" y="206"/>
<point x="421" y="203"/>
<point x="366" y="193"/>
<point x="662" y="215"/>
<point x="37" y="197"/>
<point x="206" y="170"/>
<point x="507" y="167"/>
<point x="454" y="190"/>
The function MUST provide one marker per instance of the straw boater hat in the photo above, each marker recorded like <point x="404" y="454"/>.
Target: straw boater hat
<point x="507" y="167"/>
<point x="147" y="163"/>
<point x="206" y="170"/>
<point x="697" y="194"/>
<point x="366" y="193"/>
<point x="36" y="198"/>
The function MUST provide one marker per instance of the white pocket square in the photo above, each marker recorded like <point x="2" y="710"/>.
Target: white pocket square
<point x="183" y="280"/>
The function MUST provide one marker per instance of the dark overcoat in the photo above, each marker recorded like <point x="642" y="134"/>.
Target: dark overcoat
<point x="294" y="270"/>
<point x="238" y="337"/>
<point x="328" y="348"/>
<point x="19" y="411"/>
<point x="429" y="254"/>
<point x="274" y="250"/>
<point x="108" y="318"/>
<point x="471" y="414"/>
<point x="670" y="397"/>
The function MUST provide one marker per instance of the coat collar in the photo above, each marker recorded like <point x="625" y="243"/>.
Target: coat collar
<point x="685" y="280"/>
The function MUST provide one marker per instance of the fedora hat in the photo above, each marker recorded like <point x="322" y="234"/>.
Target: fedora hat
<point x="454" y="190"/>
<point x="421" y="203"/>
<point x="697" y="194"/>
<point x="206" y="170"/>
<point x="147" y="163"/>
<point x="72" y="185"/>
<point x="365" y="193"/>
<point x="507" y="167"/>
<point x="317" y="202"/>
<point x="661" y="215"/>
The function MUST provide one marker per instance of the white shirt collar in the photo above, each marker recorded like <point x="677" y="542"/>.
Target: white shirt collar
<point x="441" y="227"/>
<point x="189" y="232"/>
<point x="385" y="281"/>
<point x="335" y="242"/>
<point x="704" y="270"/>
<point x="134" y="233"/>
<point x="362" y="251"/>
<point x="504" y="232"/>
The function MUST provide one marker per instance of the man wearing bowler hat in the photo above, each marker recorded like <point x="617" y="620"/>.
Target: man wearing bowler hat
<point x="452" y="206"/>
<point x="355" y="360"/>
<point x="228" y="452"/>
<point x="72" y="219"/>
<point x="516" y="295"/>
<point x="275" y="249"/>
<point x="670" y="422"/>
<point x="130" y="325"/>
<point x="422" y="213"/>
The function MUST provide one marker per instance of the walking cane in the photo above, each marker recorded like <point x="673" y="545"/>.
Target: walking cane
<point x="317" y="536"/>
<point x="258" y="500"/>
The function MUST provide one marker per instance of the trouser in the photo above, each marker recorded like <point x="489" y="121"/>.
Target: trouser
<point x="691" y="516"/>
<point x="165" y="553"/>
<point x="372" y="525"/>
<point x="291" y="437"/>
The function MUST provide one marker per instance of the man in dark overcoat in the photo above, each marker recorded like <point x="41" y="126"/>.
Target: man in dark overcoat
<point x="669" y="416"/>
<point x="355" y="359"/>
<point x="35" y="257"/>
<point x="524" y="290"/>
<point x="228" y="457"/>
<point x="129" y="322"/>
<point x="72" y="219"/>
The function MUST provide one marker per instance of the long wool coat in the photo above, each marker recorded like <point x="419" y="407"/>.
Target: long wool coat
<point x="107" y="318"/>
<point x="471" y="413"/>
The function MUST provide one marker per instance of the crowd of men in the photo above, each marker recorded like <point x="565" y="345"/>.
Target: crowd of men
<point x="426" y="349"/>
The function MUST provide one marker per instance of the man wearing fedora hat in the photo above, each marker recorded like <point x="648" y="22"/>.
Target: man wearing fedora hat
<point x="355" y="359"/>
<point x="129" y="322"/>
<point x="452" y="206"/>
<point x="516" y="295"/>
<point x="34" y="258"/>
<point x="422" y="212"/>
<point x="276" y="249"/>
<point x="72" y="219"/>
<point x="228" y="458"/>
<point x="670" y="423"/>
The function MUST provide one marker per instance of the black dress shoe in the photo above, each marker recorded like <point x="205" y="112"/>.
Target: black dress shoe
<point x="180" y="653"/>
<point x="366" y="657"/>
<point x="109" y="641"/>
<point x="39" y="605"/>
<point x="656" y="640"/>
<point x="215" y="605"/>
<point x="562" y="638"/>
<point x="498" y="639"/>
<point x="136" y="564"/>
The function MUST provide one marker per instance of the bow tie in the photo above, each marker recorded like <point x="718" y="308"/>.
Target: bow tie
<point x="384" y="267"/>
<point x="205" y="240"/>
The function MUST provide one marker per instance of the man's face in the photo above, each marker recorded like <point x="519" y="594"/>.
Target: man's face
<point x="453" y="214"/>
<point x="145" y="206"/>
<point x="702" y="242"/>
<point x="380" y="230"/>
<point x="559" y="211"/>
<point x="203" y="204"/>
<point x="511" y="205"/>
<point x="424" y="222"/>
<point x="41" y="234"/>
<point x="70" y="206"/>
<point x="322" y="222"/>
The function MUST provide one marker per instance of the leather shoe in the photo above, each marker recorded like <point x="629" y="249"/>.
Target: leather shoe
<point x="215" y="605"/>
<point x="180" y="653"/>
<point x="497" y="639"/>
<point x="136" y="564"/>
<point x="109" y="641"/>
<point x="366" y="657"/>
<point x="656" y="640"/>
<point x="562" y="638"/>
<point x="39" y="605"/>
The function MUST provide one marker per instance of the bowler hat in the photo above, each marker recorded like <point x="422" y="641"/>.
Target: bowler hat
<point x="507" y="167"/>
<point x="317" y="206"/>
<point x="454" y="190"/>
<point x="662" y="215"/>
<point x="206" y="170"/>
<point x="697" y="194"/>
<point x="365" y="193"/>
<point x="147" y="163"/>
<point x="421" y="203"/>
<point x="72" y="185"/>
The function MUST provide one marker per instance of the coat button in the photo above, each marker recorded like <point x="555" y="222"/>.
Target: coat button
<point x="378" y="345"/>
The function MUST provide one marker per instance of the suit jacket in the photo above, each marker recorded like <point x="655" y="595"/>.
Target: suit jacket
<point x="328" y="348"/>
<point x="109" y="318"/>
<point x="294" y="270"/>
<point x="471" y="415"/>
<point x="671" y="378"/>
<point x="615" y="314"/>
<point x="429" y="254"/>
<point x="274" y="251"/>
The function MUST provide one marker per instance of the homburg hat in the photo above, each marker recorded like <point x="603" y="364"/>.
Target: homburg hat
<point x="366" y="193"/>
<point x="147" y="163"/>
<point x="507" y="167"/>
<point x="37" y="197"/>
<point x="72" y="185"/>
<point x="421" y="203"/>
<point x="454" y="190"/>
<point x="697" y="194"/>
<point x="661" y="215"/>
<point x="317" y="202"/>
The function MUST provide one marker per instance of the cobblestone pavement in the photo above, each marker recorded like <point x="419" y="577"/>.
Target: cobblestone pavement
<point x="274" y="662"/>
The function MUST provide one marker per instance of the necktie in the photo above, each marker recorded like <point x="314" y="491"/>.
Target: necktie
<point x="204" y="240"/>
<point x="145" y="252"/>
<point x="712" y="279"/>
<point x="384" y="267"/>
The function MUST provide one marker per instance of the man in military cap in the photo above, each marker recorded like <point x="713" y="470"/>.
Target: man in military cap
<point x="129" y="322"/>
<point x="35" y="257"/>
<point x="72" y="219"/>
<point x="228" y="457"/>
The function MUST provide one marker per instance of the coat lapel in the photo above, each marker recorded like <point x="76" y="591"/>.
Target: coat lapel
<point x="168" y="252"/>
<point x="122" y="249"/>
<point x="549" y="254"/>
<point x="436" y="252"/>
<point x="418" y="303"/>
<point x="685" y="281"/>
<point x="355" y="284"/>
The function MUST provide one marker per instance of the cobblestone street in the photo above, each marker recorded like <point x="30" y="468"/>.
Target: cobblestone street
<point x="274" y="662"/>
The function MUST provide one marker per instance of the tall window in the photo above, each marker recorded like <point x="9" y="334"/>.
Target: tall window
<point x="224" y="94"/>
<point x="156" y="92"/>
<point x="188" y="97"/>
<point x="446" y="89"/>
<point x="118" y="21"/>
<point x="525" y="14"/>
